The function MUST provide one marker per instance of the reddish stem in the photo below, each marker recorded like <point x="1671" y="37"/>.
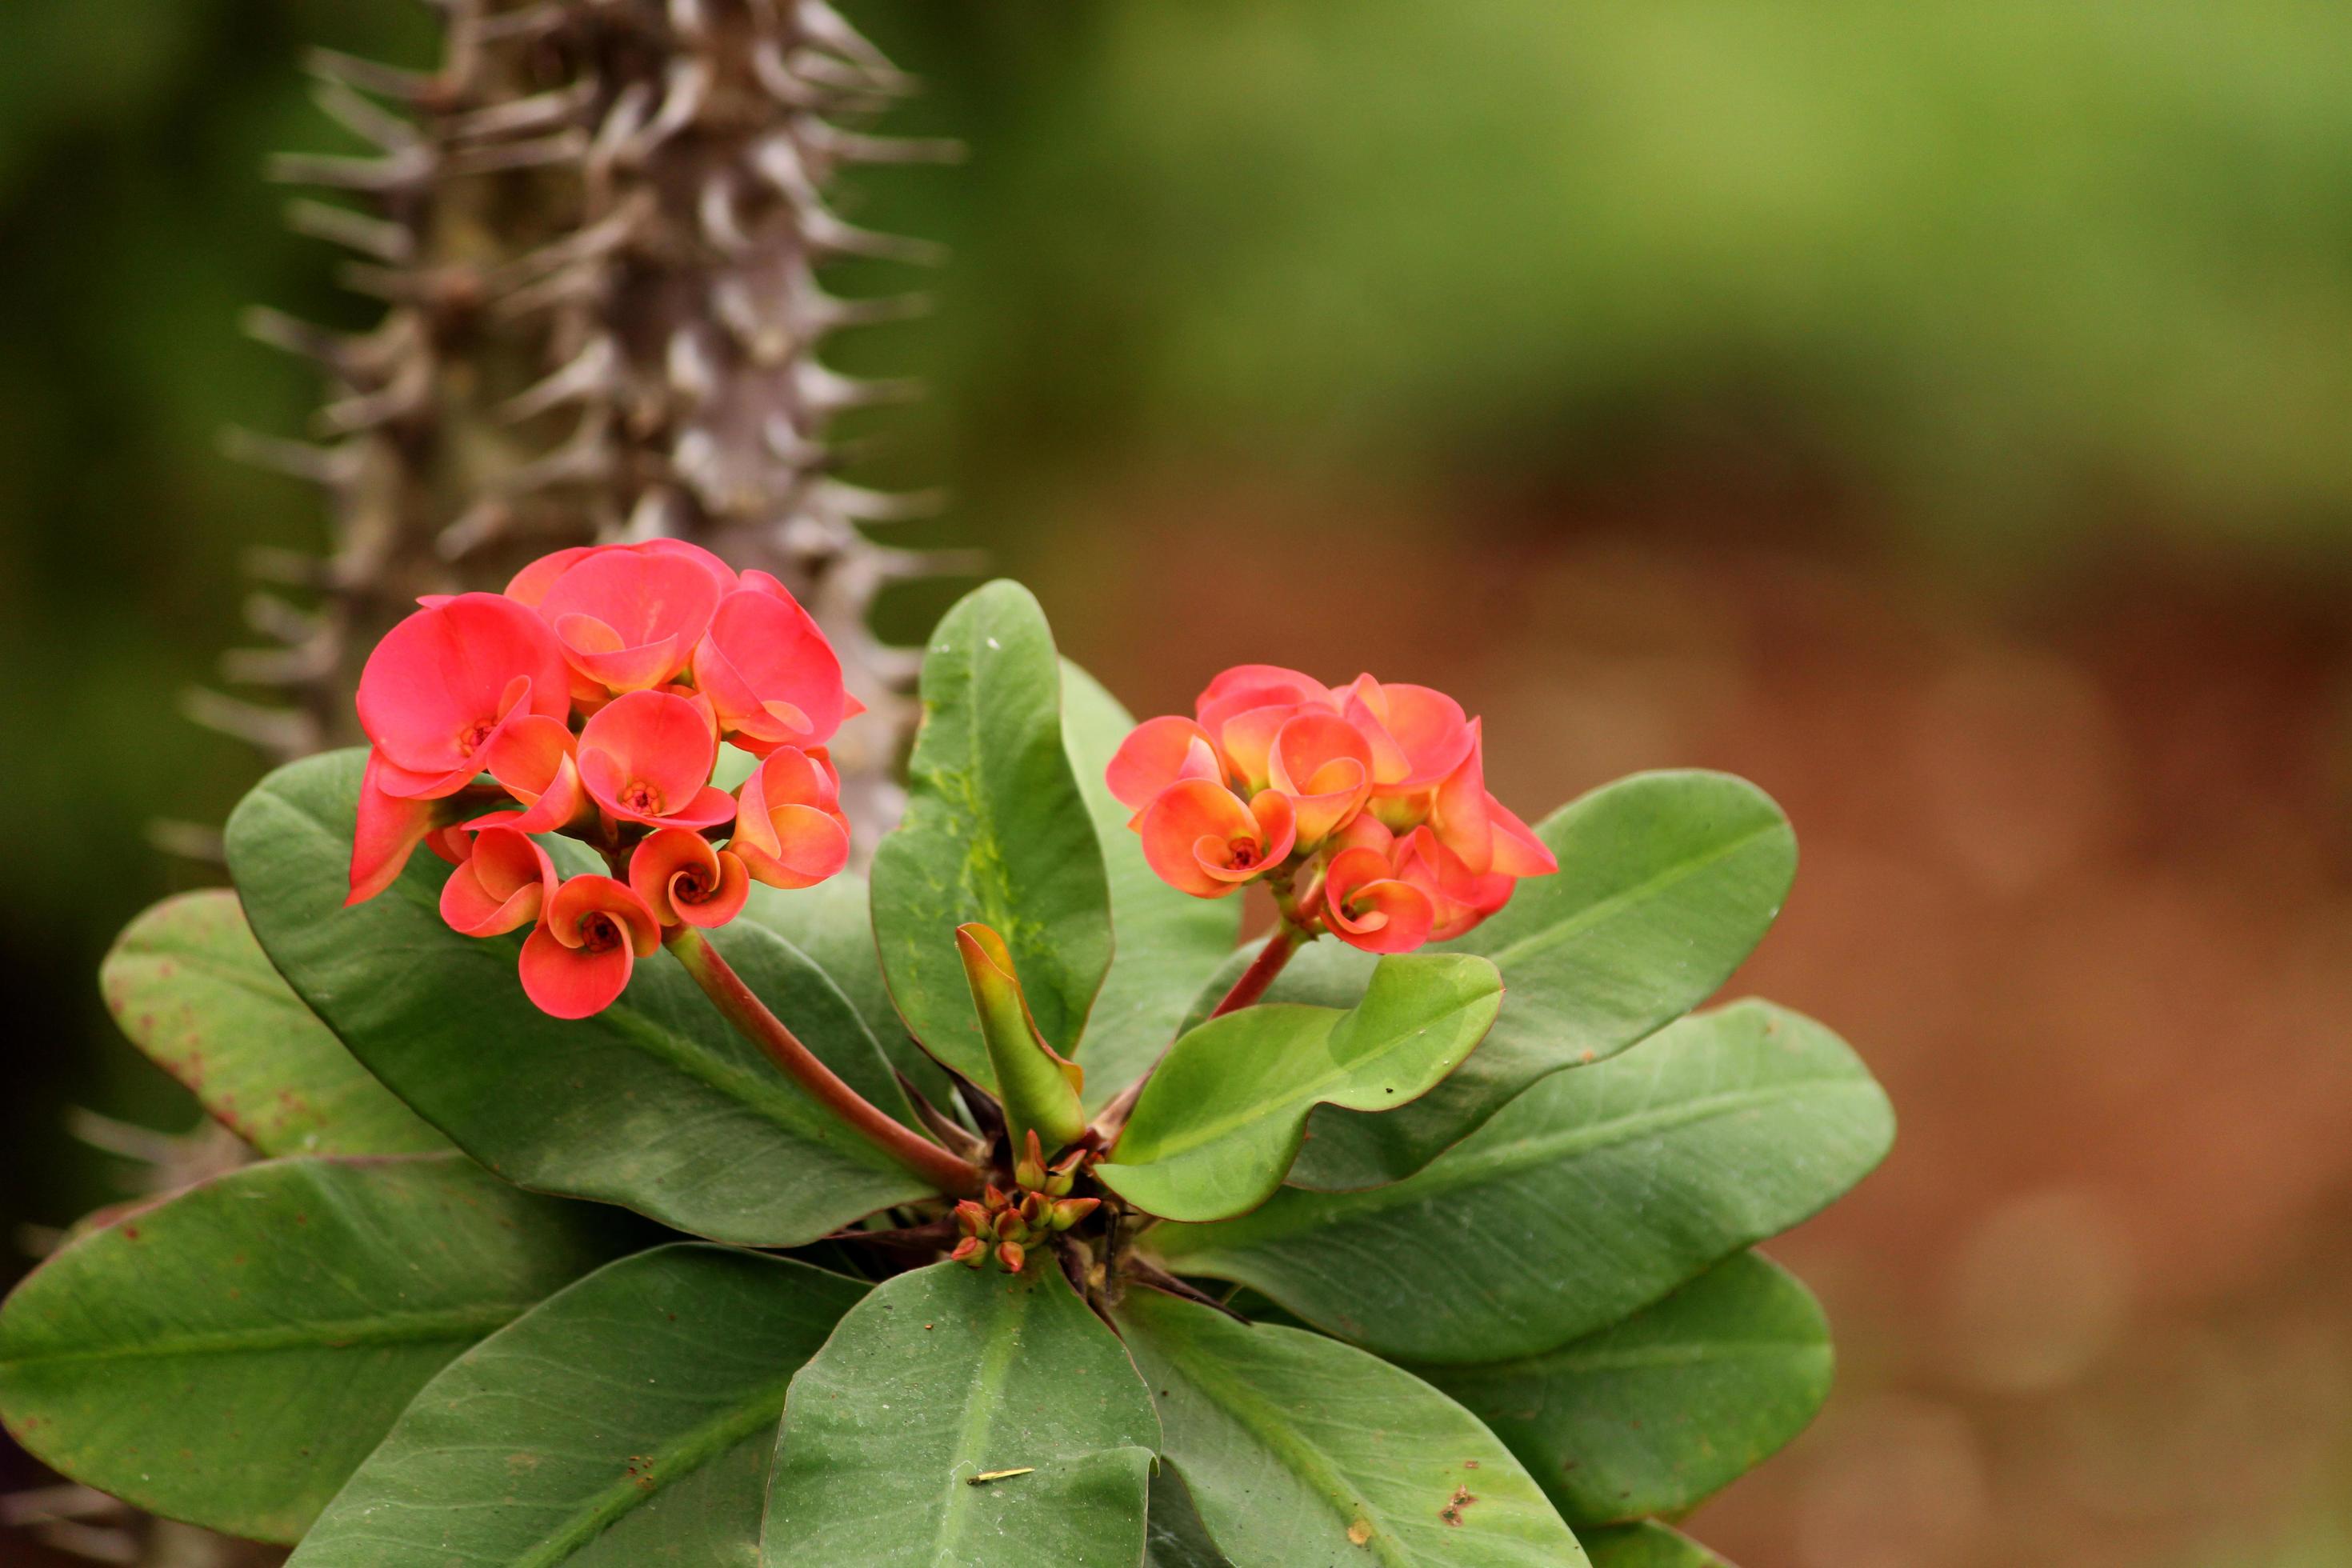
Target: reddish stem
<point x="740" y="1006"/>
<point x="1286" y="940"/>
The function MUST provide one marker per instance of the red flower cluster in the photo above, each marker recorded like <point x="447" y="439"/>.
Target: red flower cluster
<point x="1379" y="791"/>
<point x="591" y="696"/>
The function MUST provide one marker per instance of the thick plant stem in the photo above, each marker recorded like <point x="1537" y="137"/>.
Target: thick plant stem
<point x="1286" y="940"/>
<point x="736" y="1004"/>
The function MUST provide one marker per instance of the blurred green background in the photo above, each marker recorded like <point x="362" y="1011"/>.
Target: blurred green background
<point x="1943" y="415"/>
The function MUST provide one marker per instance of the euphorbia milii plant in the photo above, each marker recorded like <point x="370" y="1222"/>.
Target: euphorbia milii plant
<point x="1014" y="1206"/>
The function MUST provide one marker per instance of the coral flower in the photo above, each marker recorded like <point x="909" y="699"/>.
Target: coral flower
<point x="1245" y="707"/>
<point x="770" y="675"/>
<point x="534" y="760"/>
<point x="589" y="938"/>
<point x="387" y="830"/>
<point x="1418" y="737"/>
<point x="684" y="881"/>
<point x="503" y="884"/>
<point x="1481" y="829"/>
<point x="629" y="616"/>
<point x="647" y="758"/>
<point x="1460" y="897"/>
<point x="443" y="683"/>
<point x="1367" y="906"/>
<point x="789" y="829"/>
<point x="1156" y="753"/>
<point x="1201" y="837"/>
<point x="1324" y="765"/>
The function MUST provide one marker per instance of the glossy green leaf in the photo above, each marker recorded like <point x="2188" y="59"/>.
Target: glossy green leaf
<point x="655" y="1102"/>
<point x="1222" y="1118"/>
<point x="944" y="1375"/>
<point x="996" y="831"/>
<point x="192" y="989"/>
<point x="1667" y="882"/>
<point x="1648" y="1545"/>
<point x="1590" y="1196"/>
<point x="1653" y="1414"/>
<point x="1300" y="1451"/>
<point x="230" y="1355"/>
<point x="629" y="1419"/>
<point x="833" y="924"/>
<point x="1169" y="942"/>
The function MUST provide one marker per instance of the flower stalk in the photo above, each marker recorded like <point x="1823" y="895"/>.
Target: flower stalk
<point x="740" y="1006"/>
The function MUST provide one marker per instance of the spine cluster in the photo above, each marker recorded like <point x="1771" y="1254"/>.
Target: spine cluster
<point x="597" y="230"/>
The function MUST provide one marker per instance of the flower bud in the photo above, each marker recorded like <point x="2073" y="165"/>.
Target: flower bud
<point x="1029" y="1170"/>
<point x="968" y="1252"/>
<point x="1013" y="1255"/>
<point x="1069" y="1210"/>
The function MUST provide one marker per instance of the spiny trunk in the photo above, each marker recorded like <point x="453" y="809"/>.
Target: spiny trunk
<point x="597" y="230"/>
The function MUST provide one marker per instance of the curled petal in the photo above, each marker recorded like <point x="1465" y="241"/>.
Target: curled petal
<point x="591" y="934"/>
<point x="388" y="831"/>
<point x="1418" y="734"/>
<point x="572" y="982"/>
<point x="1518" y="851"/>
<point x="1155" y="754"/>
<point x="770" y="674"/>
<point x="1367" y="907"/>
<point x="1202" y="838"/>
<point x="1325" y="766"/>
<point x="529" y="587"/>
<point x="533" y="761"/>
<point x="1459" y="811"/>
<point x="629" y="615"/>
<point x="504" y="884"/>
<point x="684" y="881"/>
<point x="441" y="683"/>
<point x="647" y="757"/>
<point x="1248" y="685"/>
<point x="789" y="827"/>
<point x="1459" y="897"/>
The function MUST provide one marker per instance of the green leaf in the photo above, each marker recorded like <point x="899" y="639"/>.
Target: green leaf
<point x="1300" y="1451"/>
<point x="1648" y="1545"/>
<point x="1591" y="1196"/>
<point x="1667" y="882"/>
<point x="833" y="926"/>
<point x="1170" y="943"/>
<point x="1174" y="1536"/>
<point x="995" y="832"/>
<point x="1676" y="1402"/>
<point x="1221" y="1121"/>
<point x="627" y="1420"/>
<point x="949" y="1373"/>
<point x="230" y="1355"/>
<point x="192" y="988"/>
<point x="655" y="1102"/>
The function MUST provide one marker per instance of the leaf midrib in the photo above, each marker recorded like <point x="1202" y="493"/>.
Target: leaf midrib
<point x="978" y="1418"/>
<point x="1263" y="1420"/>
<point x="1595" y="913"/>
<point x="457" y="1324"/>
<point x="1650" y="1358"/>
<point x="1464" y="1167"/>
<point x="682" y="1455"/>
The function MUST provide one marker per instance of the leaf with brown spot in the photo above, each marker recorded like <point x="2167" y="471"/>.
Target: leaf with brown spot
<point x="192" y="988"/>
